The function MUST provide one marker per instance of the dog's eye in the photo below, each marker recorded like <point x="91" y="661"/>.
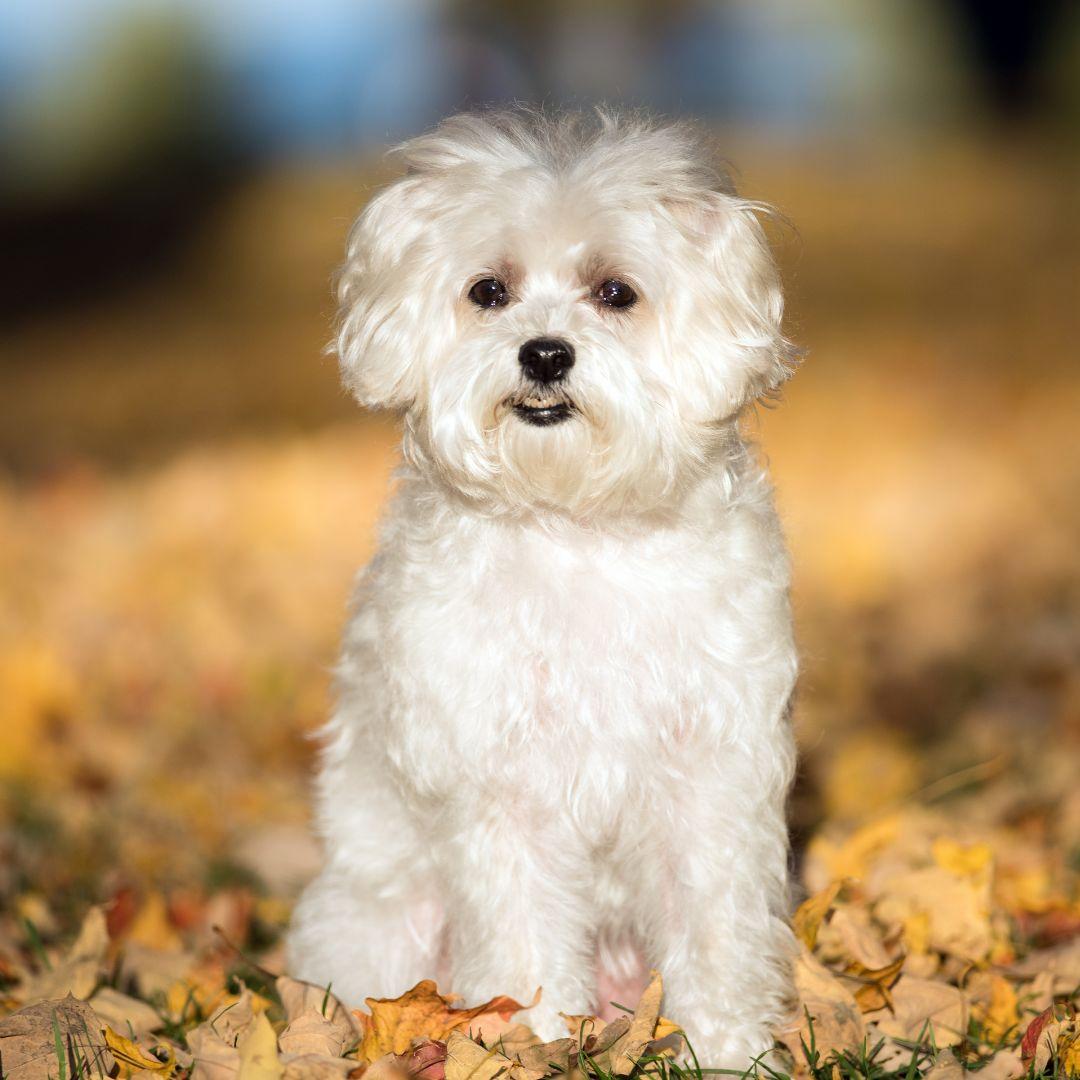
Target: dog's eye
<point x="616" y="294"/>
<point x="490" y="292"/>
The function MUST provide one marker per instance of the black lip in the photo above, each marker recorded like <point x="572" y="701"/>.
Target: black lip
<point x="544" y="416"/>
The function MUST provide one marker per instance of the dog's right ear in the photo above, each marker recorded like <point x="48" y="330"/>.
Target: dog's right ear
<point x="379" y="295"/>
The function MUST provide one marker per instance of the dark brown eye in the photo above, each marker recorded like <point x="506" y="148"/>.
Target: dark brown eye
<point x="616" y="294"/>
<point x="489" y="292"/>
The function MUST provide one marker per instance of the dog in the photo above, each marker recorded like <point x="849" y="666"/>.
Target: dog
<point x="562" y="743"/>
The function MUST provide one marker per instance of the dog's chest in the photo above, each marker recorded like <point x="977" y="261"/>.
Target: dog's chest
<point x="542" y="647"/>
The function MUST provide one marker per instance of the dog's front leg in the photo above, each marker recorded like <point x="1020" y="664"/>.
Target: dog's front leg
<point x="516" y="881"/>
<point x="716" y="903"/>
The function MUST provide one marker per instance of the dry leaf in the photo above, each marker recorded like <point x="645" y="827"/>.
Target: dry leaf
<point x="811" y="913"/>
<point x="956" y="910"/>
<point x="123" y="1012"/>
<point x="43" y="1040"/>
<point x="1000" y="1017"/>
<point x="298" y="997"/>
<point x="214" y="1058"/>
<point x="923" y="1009"/>
<point x="423" y="1013"/>
<point x="468" y="1060"/>
<point x="319" y="1067"/>
<point x="854" y="941"/>
<point x="78" y="973"/>
<point x="946" y="1067"/>
<point x="874" y="987"/>
<point x="548" y="1057"/>
<point x="133" y="1058"/>
<point x="827" y="1004"/>
<point x="258" y="1052"/>
<point x="626" y="1052"/>
<point x="312" y="1033"/>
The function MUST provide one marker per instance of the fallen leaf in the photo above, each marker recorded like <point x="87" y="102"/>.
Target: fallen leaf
<point x="312" y="1033"/>
<point x="133" y="1058"/>
<point x="548" y="1057"/>
<point x="423" y="1012"/>
<point x="946" y="1067"/>
<point x="52" y="1038"/>
<point x="924" y="1010"/>
<point x="298" y="997"/>
<point x="214" y="1058"/>
<point x="627" y="1051"/>
<point x="1004" y="1065"/>
<point x="875" y="984"/>
<point x="811" y="913"/>
<point x="1000" y="1017"/>
<point x="318" y="1067"/>
<point x="80" y="970"/>
<point x="853" y="940"/>
<point x="468" y="1060"/>
<point x="956" y="910"/>
<point x="258" y="1052"/>
<point x="828" y="1007"/>
<point x="122" y="1012"/>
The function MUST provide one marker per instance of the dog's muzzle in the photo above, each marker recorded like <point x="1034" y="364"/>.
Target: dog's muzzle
<point x="545" y="362"/>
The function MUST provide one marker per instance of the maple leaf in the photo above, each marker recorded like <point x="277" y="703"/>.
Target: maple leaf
<point x="424" y="1013"/>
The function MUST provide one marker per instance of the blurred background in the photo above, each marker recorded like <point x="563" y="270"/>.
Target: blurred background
<point x="185" y="492"/>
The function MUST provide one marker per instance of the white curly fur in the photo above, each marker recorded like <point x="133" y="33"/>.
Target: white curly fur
<point x="562" y="731"/>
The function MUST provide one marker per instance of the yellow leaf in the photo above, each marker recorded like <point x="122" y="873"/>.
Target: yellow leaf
<point x="258" y="1052"/>
<point x="132" y="1057"/>
<point x="811" y="913"/>
<point x="1001" y="1016"/>
<point x="152" y="926"/>
<point x="1069" y="1053"/>
<point x="962" y="860"/>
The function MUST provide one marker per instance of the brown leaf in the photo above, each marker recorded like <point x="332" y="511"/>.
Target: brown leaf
<point x="297" y="997"/>
<point x="468" y="1060"/>
<point x="312" y="1033"/>
<point x="829" y="1006"/>
<point x="946" y="1067"/>
<point x="319" y="1067"/>
<point x="423" y="1013"/>
<point x="953" y="911"/>
<point x="811" y="913"/>
<point x="214" y="1058"/>
<point x="625" y="1052"/>
<point x="874" y="985"/>
<point x="549" y="1057"/>
<point x="28" y="1041"/>
<point x="923" y="1009"/>
<point x="121" y="1011"/>
<point x="78" y="973"/>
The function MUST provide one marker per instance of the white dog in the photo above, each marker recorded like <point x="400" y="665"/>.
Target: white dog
<point x="562" y="733"/>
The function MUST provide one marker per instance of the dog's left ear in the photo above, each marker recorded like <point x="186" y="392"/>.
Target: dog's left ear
<point x="744" y="299"/>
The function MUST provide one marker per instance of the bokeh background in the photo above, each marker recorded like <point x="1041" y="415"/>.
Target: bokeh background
<point x="185" y="492"/>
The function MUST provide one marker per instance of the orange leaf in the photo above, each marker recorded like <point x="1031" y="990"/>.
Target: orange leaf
<point x="423" y="1013"/>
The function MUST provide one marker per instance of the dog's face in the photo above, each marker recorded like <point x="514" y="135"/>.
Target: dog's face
<point x="566" y="318"/>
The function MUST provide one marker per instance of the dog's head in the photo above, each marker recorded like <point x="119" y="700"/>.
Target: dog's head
<point x="568" y="312"/>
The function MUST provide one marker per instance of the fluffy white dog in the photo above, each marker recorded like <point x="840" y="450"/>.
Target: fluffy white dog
<point x="562" y="735"/>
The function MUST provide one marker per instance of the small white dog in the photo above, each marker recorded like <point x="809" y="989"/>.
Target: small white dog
<point x="562" y="738"/>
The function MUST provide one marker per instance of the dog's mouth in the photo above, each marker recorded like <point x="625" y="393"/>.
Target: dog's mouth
<point x="542" y="411"/>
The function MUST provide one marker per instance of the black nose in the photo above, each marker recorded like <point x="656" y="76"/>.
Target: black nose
<point x="546" y="360"/>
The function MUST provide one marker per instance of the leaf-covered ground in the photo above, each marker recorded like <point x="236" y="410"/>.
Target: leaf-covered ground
<point x="186" y="500"/>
